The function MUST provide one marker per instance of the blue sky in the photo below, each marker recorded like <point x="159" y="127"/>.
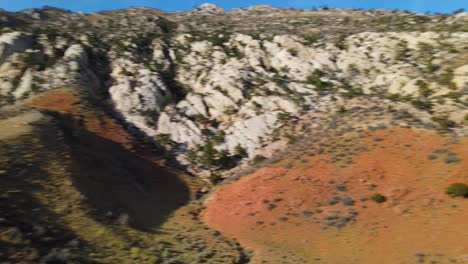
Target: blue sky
<point x="443" y="6"/>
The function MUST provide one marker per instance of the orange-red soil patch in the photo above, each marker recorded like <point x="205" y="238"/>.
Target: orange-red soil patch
<point x="289" y="214"/>
<point x="62" y="100"/>
<point x="68" y="102"/>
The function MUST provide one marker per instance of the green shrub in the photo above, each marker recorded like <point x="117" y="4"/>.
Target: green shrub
<point x="378" y="198"/>
<point x="457" y="190"/>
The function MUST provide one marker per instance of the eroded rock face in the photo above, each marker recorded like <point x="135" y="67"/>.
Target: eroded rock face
<point x="14" y="42"/>
<point x="139" y="95"/>
<point x="185" y="78"/>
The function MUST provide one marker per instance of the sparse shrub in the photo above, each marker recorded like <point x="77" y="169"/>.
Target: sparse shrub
<point x="215" y="178"/>
<point x="451" y="158"/>
<point x="191" y="156"/>
<point x="35" y="88"/>
<point x="219" y="137"/>
<point x="293" y="52"/>
<point x="403" y="52"/>
<point x="341" y="42"/>
<point x="423" y="105"/>
<point x="351" y="91"/>
<point x="446" y="78"/>
<point x="457" y="190"/>
<point x="444" y="122"/>
<point x="315" y="79"/>
<point x="32" y="60"/>
<point x="311" y="39"/>
<point x="424" y="89"/>
<point x="283" y="117"/>
<point x="208" y="155"/>
<point x="218" y="39"/>
<point x="378" y="198"/>
<point x="347" y="201"/>
<point x="258" y="158"/>
<point x="165" y="139"/>
<point x="292" y="139"/>
<point x="341" y="187"/>
<point x="230" y="110"/>
<point x="341" y="110"/>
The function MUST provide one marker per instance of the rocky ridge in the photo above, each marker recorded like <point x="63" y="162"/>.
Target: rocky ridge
<point x="216" y="88"/>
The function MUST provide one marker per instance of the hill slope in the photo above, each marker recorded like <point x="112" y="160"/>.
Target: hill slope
<point x="116" y="125"/>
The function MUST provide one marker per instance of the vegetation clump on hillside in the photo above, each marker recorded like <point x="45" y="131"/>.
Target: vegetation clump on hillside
<point x="378" y="198"/>
<point x="457" y="190"/>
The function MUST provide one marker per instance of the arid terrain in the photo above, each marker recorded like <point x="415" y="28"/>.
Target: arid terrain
<point x="309" y="207"/>
<point x="255" y="135"/>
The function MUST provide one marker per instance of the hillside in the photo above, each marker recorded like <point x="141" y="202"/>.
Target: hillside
<point x="255" y="135"/>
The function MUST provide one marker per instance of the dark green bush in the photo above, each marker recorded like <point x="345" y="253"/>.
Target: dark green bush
<point x="378" y="198"/>
<point x="457" y="190"/>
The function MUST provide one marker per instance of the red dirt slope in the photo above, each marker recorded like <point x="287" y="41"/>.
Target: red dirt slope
<point x="314" y="208"/>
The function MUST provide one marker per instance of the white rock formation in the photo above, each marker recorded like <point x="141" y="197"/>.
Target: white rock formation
<point x="208" y="9"/>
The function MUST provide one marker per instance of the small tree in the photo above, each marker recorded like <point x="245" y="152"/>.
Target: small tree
<point x="457" y="190"/>
<point x="225" y="160"/>
<point x="219" y="137"/>
<point x="240" y="152"/>
<point x="208" y="155"/>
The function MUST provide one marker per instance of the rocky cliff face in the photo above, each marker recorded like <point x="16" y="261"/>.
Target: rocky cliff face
<point x="216" y="87"/>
